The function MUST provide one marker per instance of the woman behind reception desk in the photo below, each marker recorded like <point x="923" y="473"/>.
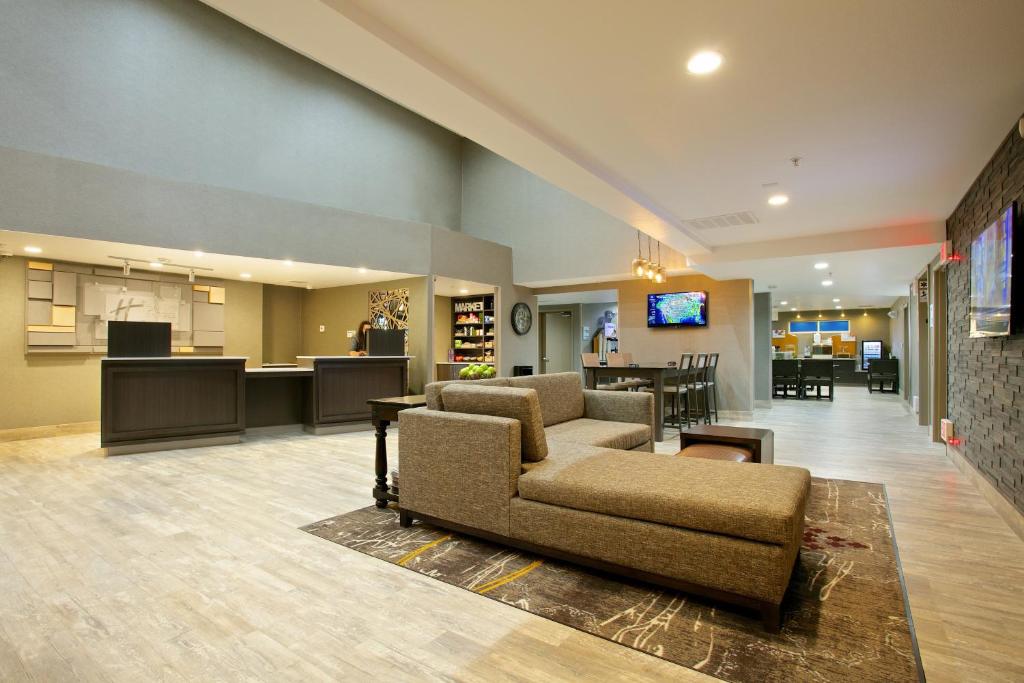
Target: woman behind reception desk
<point x="359" y="341"/>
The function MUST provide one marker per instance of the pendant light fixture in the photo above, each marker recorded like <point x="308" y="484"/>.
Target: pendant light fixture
<point x="659" y="272"/>
<point x="639" y="266"/>
<point x="649" y="273"/>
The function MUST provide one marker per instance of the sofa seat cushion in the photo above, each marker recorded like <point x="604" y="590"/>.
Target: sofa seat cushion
<point x="606" y="433"/>
<point x="756" y="502"/>
<point x="433" y="390"/>
<point x="560" y="393"/>
<point x="518" y="404"/>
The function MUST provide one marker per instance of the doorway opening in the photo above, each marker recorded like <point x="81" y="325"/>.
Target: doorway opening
<point x="574" y="323"/>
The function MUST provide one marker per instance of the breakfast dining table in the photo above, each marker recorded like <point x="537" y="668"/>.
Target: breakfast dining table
<point x="658" y="373"/>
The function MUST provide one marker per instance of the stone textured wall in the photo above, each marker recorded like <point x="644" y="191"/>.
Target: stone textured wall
<point x="986" y="376"/>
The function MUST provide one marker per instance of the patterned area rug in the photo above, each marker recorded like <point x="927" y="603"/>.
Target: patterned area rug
<point x="845" y="616"/>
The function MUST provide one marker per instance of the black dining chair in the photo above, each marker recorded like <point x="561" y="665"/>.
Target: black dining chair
<point x="676" y="390"/>
<point x="697" y="398"/>
<point x="711" y="386"/>
<point x="815" y="374"/>
<point x="785" y="376"/>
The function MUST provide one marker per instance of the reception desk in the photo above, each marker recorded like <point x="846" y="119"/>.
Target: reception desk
<point x="172" y="402"/>
<point x="343" y="384"/>
<point x="182" y="401"/>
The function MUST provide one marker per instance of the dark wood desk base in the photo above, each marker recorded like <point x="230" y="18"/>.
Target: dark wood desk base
<point x="384" y="411"/>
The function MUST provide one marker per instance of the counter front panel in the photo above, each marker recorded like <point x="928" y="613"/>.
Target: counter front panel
<point x="171" y="398"/>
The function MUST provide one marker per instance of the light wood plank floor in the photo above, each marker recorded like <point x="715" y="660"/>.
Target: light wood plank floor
<point x="189" y="565"/>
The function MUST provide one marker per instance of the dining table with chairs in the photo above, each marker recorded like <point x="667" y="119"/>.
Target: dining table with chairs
<point x="689" y="385"/>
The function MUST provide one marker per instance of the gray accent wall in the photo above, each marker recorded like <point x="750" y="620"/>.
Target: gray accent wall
<point x="505" y="203"/>
<point x="763" y="348"/>
<point x="177" y="91"/>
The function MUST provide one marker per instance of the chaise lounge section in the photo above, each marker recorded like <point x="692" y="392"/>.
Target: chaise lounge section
<point x="729" y="531"/>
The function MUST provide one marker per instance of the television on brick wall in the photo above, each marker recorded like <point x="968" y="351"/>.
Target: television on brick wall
<point x="996" y="309"/>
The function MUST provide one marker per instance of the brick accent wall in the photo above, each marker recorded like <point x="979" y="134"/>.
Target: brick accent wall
<point x="986" y="376"/>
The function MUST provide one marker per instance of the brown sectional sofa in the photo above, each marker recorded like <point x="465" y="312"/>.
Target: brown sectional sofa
<point x="727" y="530"/>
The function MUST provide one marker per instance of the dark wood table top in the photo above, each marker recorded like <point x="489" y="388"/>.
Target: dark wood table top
<point x="417" y="401"/>
<point x="722" y="430"/>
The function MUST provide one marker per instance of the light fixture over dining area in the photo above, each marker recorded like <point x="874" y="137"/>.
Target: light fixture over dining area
<point x="647" y="267"/>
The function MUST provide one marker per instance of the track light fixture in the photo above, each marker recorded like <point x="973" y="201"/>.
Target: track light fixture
<point x="127" y="269"/>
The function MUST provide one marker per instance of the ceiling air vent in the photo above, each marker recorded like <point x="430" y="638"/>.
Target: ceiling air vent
<point x="726" y="220"/>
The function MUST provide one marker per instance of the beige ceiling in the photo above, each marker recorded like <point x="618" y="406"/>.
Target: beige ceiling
<point x="893" y="107"/>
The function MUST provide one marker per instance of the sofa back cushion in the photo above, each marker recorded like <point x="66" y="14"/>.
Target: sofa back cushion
<point x="518" y="404"/>
<point x="433" y="390"/>
<point x="560" y="393"/>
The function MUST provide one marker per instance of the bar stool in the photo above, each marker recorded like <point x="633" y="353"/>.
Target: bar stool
<point x="696" y="382"/>
<point x="711" y="385"/>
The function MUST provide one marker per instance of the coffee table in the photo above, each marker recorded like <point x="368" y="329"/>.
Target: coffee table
<point x="384" y="411"/>
<point x="760" y="442"/>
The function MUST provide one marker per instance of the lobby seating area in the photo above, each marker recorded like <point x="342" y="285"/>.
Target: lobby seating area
<point x="539" y="462"/>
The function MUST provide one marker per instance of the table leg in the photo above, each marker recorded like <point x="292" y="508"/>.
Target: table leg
<point x="659" y="407"/>
<point x="380" y="464"/>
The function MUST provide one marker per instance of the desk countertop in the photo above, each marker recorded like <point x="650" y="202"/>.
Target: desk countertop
<point x="279" y="371"/>
<point x="185" y="357"/>
<point x="354" y="358"/>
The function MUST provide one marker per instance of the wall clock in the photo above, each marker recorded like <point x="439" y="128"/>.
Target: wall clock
<point x="522" y="318"/>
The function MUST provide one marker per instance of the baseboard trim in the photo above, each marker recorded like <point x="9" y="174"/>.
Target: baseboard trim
<point x="344" y="428"/>
<point x="48" y="431"/>
<point x="173" y="444"/>
<point x="1004" y="508"/>
<point x="736" y="414"/>
<point x="764" y="404"/>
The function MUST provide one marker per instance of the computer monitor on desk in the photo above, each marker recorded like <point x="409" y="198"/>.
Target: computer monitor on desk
<point x="138" y="339"/>
<point x="385" y="342"/>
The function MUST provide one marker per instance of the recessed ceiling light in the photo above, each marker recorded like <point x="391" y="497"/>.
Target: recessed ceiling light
<point x="463" y="291"/>
<point x="778" y="199"/>
<point x="835" y="301"/>
<point x="198" y="253"/>
<point x="309" y="286"/>
<point x="793" y="309"/>
<point x="783" y="303"/>
<point x="289" y="262"/>
<point x="362" y="271"/>
<point x="155" y="264"/>
<point x="704" y="62"/>
<point x="826" y="283"/>
<point x="245" y="275"/>
<point x="33" y="250"/>
<point x="839" y="308"/>
<point x="820" y="266"/>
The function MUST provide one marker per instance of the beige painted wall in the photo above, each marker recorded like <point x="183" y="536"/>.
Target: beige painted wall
<point x="730" y="330"/>
<point x="340" y="309"/>
<point x="282" y="323"/>
<point x="61" y="389"/>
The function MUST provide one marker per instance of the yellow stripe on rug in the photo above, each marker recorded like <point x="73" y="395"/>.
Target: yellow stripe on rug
<point x="423" y="548"/>
<point x="512" y="576"/>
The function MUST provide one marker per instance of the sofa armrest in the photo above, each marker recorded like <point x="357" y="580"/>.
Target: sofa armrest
<point x="620" y="406"/>
<point x="458" y="467"/>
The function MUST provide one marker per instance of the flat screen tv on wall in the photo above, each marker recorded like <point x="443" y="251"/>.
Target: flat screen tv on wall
<point x="678" y="309"/>
<point x="992" y="301"/>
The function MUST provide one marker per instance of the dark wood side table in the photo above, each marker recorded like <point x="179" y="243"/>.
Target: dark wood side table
<point x="761" y="442"/>
<point x="384" y="411"/>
